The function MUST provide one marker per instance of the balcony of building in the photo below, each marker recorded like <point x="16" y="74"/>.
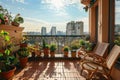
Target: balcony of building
<point x="101" y="29"/>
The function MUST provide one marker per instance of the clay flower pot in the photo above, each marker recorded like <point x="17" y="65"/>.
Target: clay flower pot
<point x="23" y="61"/>
<point x="73" y="54"/>
<point x="8" y="75"/>
<point x="52" y="53"/>
<point x="46" y="52"/>
<point x="65" y="53"/>
<point x="85" y="2"/>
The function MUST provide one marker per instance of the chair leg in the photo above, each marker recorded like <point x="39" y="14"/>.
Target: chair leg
<point x="81" y="72"/>
<point x="92" y="74"/>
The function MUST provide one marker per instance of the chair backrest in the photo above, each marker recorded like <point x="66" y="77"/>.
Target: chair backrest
<point x="101" y="48"/>
<point x="112" y="57"/>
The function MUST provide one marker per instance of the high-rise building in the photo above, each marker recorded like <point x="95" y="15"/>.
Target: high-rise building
<point x="74" y="28"/>
<point x="60" y="33"/>
<point x="79" y="28"/>
<point x="43" y="31"/>
<point x="70" y="29"/>
<point x="53" y="30"/>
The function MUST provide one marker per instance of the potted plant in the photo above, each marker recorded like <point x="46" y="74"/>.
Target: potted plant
<point x="66" y="50"/>
<point x="88" y="46"/>
<point x="24" y="42"/>
<point x="45" y="49"/>
<point x="88" y="4"/>
<point x="17" y="20"/>
<point x="85" y="2"/>
<point x="7" y="59"/>
<point x="73" y="50"/>
<point x="5" y="16"/>
<point x="7" y="64"/>
<point x="23" y="56"/>
<point x="82" y="46"/>
<point x="52" y="50"/>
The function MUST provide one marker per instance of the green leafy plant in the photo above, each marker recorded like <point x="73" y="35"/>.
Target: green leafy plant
<point x="117" y="41"/>
<point x="23" y="52"/>
<point x="66" y="48"/>
<point x="7" y="59"/>
<point x="17" y="20"/>
<point x="53" y="47"/>
<point x="82" y="42"/>
<point x="5" y="16"/>
<point x="45" y="45"/>
<point x="74" y="48"/>
<point x="88" y="46"/>
<point x="5" y="38"/>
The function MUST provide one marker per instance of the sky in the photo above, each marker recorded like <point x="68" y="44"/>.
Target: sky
<point x="117" y="12"/>
<point x="47" y="13"/>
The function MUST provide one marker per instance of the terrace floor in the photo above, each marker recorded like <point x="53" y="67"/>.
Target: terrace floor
<point x="50" y="69"/>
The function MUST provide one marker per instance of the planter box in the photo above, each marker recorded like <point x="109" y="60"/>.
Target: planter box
<point x="14" y="32"/>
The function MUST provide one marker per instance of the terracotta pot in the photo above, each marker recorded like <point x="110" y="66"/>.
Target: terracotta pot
<point x="23" y="45"/>
<point x="85" y="2"/>
<point x="8" y="75"/>
<point x="65" y="53"/>
<point x="15" y="24"/>
<point x="38" y="53"/>
<point x="52" y="53"/>
<point x="23" y="61"/>
<point x="46" y="52"/>
<point x="33" y="54"/>
<point x="73" y="54"/>
<point x="2" y="51"/>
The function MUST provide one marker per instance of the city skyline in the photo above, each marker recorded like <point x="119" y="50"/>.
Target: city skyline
<point x="51" y="13"/>
<point x="47" y="13"/>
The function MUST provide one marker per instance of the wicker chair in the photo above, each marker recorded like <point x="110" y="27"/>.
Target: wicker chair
<point x="99" y="51"/>
<point x="104" y="67"/>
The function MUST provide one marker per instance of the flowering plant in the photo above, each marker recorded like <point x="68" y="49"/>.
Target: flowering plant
<point x="6" y="18"/>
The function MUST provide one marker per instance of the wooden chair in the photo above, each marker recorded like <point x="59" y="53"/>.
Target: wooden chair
<point x="104" y="67"/>
<point x="99" y="50"/>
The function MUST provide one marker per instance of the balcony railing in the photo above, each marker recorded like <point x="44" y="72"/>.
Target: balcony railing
<point x="59" y="40"/>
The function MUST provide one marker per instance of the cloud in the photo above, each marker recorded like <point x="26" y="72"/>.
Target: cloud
<point x="58" y="6"/>
<point x="20" y="1"/>
<point x="34" y="25"/>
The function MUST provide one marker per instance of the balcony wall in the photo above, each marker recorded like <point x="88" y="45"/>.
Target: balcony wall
<point x="14" y="32"/>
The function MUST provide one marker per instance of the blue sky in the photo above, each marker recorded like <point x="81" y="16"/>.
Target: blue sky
<point x="48" y="13"/>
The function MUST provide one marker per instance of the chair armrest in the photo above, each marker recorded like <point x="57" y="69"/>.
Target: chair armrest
<point x="95" y="57"/>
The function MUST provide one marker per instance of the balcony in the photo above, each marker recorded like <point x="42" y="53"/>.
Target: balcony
<point x="101" y="28"/>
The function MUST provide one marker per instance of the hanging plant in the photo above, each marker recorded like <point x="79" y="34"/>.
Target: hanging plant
<point x="86" y="8"/>
<point x="17" y="20"/>
<point x="91" y="3"/>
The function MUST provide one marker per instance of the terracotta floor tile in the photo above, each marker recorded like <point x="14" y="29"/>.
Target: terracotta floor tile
<point x="50" y="70"/>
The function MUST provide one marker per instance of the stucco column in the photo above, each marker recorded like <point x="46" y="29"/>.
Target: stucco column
<point x="103" y="20"/>
<point x="92" y="27"/>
